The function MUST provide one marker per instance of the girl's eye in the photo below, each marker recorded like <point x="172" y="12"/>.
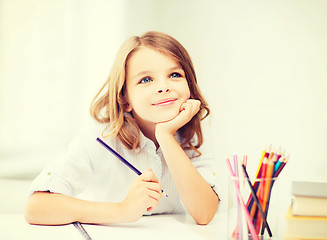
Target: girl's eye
<point x="175" y="75"/>
<point x="145" y="80"/>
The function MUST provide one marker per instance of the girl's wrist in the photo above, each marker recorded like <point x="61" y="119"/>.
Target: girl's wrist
<point x="127" y="213"/>
<point x="162" y="132"/>
<point x="102" y="213"/>
<point x="163" y="137"/>
<point x="121" y="211"/>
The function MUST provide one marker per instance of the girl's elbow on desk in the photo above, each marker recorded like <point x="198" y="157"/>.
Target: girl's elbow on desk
<point x="32" y="210"/>
<point x="43" y="208"/>
<point x="35" y="210"/>
<point x="32" y="217"/>
<point x="205" y="217"/>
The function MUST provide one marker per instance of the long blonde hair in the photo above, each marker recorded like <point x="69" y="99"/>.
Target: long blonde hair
<point x="109" y="106"/>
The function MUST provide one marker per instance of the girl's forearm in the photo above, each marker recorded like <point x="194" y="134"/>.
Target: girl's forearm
<point x="55" y="209"/>
<point x="197" y="195"/>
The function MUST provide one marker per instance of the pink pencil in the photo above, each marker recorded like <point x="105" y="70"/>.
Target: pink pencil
<point x="247" y="215"/>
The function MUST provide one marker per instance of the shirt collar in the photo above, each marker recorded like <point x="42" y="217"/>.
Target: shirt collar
<point x="146" y="142"/>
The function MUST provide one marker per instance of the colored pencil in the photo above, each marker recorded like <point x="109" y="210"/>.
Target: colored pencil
<point x="260" y="193"/>
<point x="270" y="166"/>
<point x="257" y="202"/>
<point x="82" y="230"/>
<point x="239" y="214"/>
<point x="245" y="160"/>
<point x="265" y="154"/>
<point x="123" y="160"/>
<point x="245" y="210"/>
<point x="241" y="184"/>
<point x="285" y="160"/>
<point x="260" y="162"/>
<point x="251" y="204"/>
<point x="279" y="153"/>
<point x="278" y="163"/>
<point x="269" y="173"/>
<point x="268" y="200"/>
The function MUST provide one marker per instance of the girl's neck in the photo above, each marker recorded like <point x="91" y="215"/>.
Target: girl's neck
<point x="147" y="128"/>
<point x="149" y="132"/>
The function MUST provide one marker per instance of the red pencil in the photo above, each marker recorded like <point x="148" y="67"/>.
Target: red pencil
<point x="284" y="161"/>
<point x="260" y="191"/>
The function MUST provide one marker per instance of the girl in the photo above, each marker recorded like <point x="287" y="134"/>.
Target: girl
<point x="149" y="110"/>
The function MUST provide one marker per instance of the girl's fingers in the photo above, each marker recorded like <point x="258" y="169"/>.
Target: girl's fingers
<point x="154" y="195"/>
<point x="190" y="108"/>
<point x="195" y="105"/>
<point x="183" y="106"/>
<point x="152" y="184"/>
<point x="148" y="176"/>
<point x="153" y="204"/>
<point x="191" y="104"/>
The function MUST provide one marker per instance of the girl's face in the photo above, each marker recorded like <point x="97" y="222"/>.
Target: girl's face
<point x="156" y="86"/>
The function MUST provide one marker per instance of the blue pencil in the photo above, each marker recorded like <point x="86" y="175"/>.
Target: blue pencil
<point x="263" y="216"/>
<point x="123" y="160"/>
<point x="81" y="229"/>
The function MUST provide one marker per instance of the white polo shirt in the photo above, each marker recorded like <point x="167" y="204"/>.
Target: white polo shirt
<point x="90" y="172"/>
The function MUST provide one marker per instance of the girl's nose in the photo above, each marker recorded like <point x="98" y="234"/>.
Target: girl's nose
<point x="161" y="91"/>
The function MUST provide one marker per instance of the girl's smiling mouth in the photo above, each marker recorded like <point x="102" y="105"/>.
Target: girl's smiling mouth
<point x="165" y="102"/>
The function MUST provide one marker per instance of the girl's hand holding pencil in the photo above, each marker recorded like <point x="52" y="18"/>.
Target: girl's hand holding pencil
<point x="144" y="195"/>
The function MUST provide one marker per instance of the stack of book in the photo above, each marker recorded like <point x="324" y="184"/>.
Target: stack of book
<point x="307" y="215"/>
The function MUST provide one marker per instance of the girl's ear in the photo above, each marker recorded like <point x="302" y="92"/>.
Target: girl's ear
<point x="128" y="107"/>
<point x="124" y="103"/>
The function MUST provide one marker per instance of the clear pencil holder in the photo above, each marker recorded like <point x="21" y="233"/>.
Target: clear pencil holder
<point x="266" y="192"/>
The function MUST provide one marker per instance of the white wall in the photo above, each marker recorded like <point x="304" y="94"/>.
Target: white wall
<point x="261" y="65"/>
<point x="54" y="57"/>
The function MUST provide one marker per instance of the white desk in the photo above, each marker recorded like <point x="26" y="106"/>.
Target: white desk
<point x="14" y="227"/>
